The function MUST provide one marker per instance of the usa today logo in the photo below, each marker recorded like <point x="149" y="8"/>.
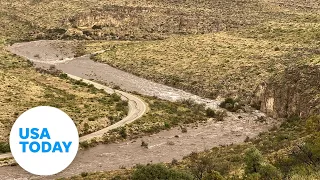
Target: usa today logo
<point x="44" y="140"/>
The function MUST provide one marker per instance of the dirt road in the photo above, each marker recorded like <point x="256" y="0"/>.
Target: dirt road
<point x="137" y="107"/>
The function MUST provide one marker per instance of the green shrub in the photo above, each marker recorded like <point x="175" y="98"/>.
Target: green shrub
<point x="84" y="144"/>
<point x="268" y="171"/>
<point x="84" y="174"/>
<point x="230" y="104"/>
<point x="253" y="160"/>
<point x="253" y="176"/>
<point x="167" y="125"/>
<point x="115" y="97"/>
<point x="213" y="176"/>
<point x="86" y="127"/>
<point x="80" y="83"/>
<point x="192" y="104"/>
<point x="122" y="106"/>
<point x="257" y="168"/>
<point x="200" y="166"/>
<point x="63" y="76"/>
<point x="227" y="101"/>
<point x="123" y="133"/>
<point x="4" y="147"/>
<point x="313" y="124"/>
<point x="159" y="172"/>
<point x="308" y="153"/>
<point x="210" y="113"/>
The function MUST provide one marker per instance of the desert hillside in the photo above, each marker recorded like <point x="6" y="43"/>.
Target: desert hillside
<point x="259" y="53"/>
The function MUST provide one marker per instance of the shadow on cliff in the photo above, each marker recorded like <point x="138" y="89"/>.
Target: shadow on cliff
<point x="294" y="92"/>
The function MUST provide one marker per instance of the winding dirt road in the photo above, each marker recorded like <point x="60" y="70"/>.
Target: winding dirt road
<point x="164" y="146"/>
<point x="137" y="108"/>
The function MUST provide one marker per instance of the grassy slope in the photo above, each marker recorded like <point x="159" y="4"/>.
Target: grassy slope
<point x="231" y="62"/>
<point x="209" y="65"/>
<point x="131" y="19"/>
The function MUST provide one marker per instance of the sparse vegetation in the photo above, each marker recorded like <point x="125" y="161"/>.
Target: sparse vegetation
<point x="159" y="171"/>
<point x="84" y="145"/>
<point x="269" y="156"/>
<point x="220" y="115"/>
<point x="123" y="132"/>
<point x="210" y="112"/>
<point x="84" y="174"/>
<point x="230" y="104"/>
<point x="4" y="147"/>
<point x="162" y="115"/>
<point x="210" y="48"/>
<point x="256" y="167"/>
<point x="230" y="62"/>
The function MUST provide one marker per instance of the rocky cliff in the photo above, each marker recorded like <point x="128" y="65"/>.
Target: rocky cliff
<point x="293" y="92"/>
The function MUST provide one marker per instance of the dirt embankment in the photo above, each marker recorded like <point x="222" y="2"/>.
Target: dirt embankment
<point x="293" y="92"/>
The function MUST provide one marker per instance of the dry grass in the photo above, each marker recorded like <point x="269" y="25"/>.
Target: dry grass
<point x="128" y="19"/>
<point x="209" y="65"/>
<point x="117" y="175"/>
<point x="227" y="63"/>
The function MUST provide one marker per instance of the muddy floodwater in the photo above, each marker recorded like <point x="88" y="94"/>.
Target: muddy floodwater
<point x="58" y="53"/>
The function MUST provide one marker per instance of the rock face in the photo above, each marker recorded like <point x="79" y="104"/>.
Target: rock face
<point x="293" y="92"/>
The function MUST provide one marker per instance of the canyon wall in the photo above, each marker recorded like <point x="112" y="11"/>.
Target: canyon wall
<point x="293" y="92"/>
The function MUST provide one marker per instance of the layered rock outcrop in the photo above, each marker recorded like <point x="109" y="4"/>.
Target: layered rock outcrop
<point x="293" y="92"/>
